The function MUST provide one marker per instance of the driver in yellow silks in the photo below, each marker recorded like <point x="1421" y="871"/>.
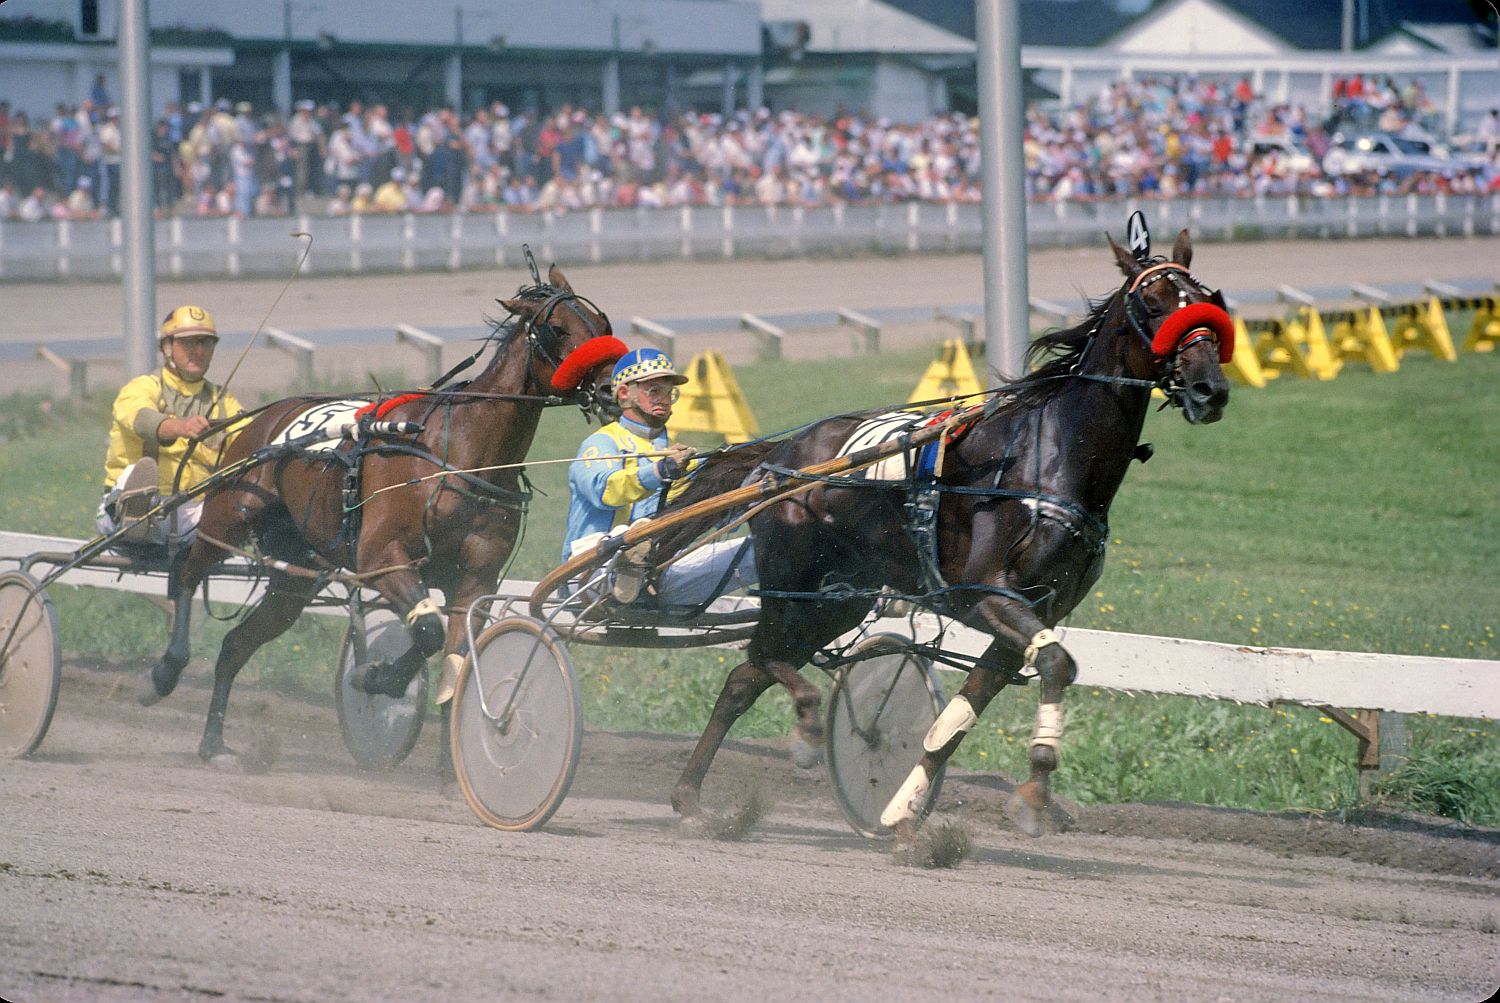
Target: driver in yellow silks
<point x="153" y="422"/>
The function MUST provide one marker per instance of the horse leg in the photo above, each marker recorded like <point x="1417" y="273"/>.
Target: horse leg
<point x="1032" y="802"/>
<point x="408" y="595"/>
<point x="807" y="732"/>
<point x="277" y="610"/>
<point x="183" y="582"/>
<point x="986" y="679"/>
<point x="457" y="648"/>
<point x="745" y="684"/>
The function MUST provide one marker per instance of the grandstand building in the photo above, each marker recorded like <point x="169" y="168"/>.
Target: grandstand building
<point x="902" y="59"/>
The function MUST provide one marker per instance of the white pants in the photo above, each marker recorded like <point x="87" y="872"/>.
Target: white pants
<point x="177" y="526"/>
<point x="695" y="578"/>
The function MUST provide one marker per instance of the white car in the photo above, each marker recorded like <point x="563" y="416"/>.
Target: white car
<point x="1382" y="152"/>
<point x="1291" y="157"/>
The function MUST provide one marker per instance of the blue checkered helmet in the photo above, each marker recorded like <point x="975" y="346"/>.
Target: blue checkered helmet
<point x="645" y="364"/>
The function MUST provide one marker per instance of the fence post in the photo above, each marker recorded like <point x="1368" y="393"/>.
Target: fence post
<point x="660" y="335"/>
<point x="966" y="323"/>
<point x="769" y="335"/>
<point x="429" y="344"/>
<point x="77" y="370"/>
<point x="299" y="348"/>
<point x="867" y="326"/>
<point x="1370" y="294"/>
<point x="1047" y="308"/>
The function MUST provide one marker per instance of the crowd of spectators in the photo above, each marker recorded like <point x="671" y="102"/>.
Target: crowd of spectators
<point x="1156" y="137"/>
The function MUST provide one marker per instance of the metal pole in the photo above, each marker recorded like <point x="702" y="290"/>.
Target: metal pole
<point x="1003" y="177"/>
<point x="135" y="187"/>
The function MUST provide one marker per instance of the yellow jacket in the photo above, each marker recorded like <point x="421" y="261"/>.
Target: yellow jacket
<point x="140" y="408"/>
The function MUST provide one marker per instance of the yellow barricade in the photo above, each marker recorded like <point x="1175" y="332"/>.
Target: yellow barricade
<point x="712" y="402"/>
<point x="1421" y="327"/>
<point x="1244" y="367"/>
<point x="1298" y="345"/>
<point x="1360" y="335"/>
<point x="1484" y="329"/>
<point x="951" y="374"/>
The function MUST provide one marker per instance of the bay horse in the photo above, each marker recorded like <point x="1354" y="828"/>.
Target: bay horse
<point x="406" y="531"/>
<point x="1020" y="528"/>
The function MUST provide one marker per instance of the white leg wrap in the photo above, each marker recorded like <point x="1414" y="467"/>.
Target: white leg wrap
<point x="1049" y="725"/>
<point x="956" y="718"/>
<point x="420" y="610"/>
<point x="448" y="683"/>
<point x="1040" y="640"/>
<point x="909" y="800"/>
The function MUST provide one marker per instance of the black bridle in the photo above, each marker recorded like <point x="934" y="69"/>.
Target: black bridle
<point x="1139" y="315"/>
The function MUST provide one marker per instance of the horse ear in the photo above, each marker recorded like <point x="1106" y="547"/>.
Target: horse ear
<point x="1182" y="249"/>
<point x="1127" y="261"/>
<point x="557" y="279"/>
<point x="523" y="308"/>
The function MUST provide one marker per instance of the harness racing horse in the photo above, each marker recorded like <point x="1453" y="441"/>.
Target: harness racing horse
<point x="367" y="506"/>
<point x="1018" y="534"/>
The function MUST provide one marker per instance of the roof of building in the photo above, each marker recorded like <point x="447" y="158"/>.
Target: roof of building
<point x="1305" y="26"/>
<point x="868" y="26"/>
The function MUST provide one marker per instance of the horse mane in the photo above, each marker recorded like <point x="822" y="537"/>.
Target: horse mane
<point x="1055" y="354"/>
<point x="719" y="473"/>
<point x="502" y="329"/>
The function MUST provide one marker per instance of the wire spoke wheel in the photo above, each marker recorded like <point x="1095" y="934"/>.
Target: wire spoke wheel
<point x="884" y="700"/>
<point x="517" y="725"/>
<point x="30" y="664"/>
<point x="379" y="731"/>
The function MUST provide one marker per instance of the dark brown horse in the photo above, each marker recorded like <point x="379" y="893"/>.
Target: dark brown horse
<point x="1019" y="532"/>
<point x="414" y="532"/>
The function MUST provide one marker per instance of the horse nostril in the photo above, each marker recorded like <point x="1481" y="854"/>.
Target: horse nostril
<point x="1209" y="393"/>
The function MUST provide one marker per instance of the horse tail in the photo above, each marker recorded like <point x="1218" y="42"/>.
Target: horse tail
<point x="714" y="476"/>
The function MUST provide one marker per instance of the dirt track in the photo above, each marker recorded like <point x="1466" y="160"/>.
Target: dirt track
<point x="130" y="872"/>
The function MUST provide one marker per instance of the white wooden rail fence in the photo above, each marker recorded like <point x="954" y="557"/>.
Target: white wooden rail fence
<point x="191" y="247"/>
<point x="1375" y="684"/>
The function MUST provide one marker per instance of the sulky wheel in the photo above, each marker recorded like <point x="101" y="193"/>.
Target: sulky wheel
<point x="30" y="664"/>
<point x="885" y="698"/>
<point x="379" y="731"/>
<point x="517" y="725"/>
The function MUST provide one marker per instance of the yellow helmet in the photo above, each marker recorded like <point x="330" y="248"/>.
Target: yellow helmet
<point x="186" y="320"/>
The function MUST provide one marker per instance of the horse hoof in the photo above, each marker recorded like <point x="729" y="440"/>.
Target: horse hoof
<point x="1026" y="816"/>
<point x="370" y="680"/>
<point x="906" y="835"/>
<point x="152" y="692"/>
<point x="225" y="761"/>
<point x="805" y="755"/>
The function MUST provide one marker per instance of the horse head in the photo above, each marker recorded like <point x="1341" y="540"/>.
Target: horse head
<point x="1184" y="333"/>
<point x="570" y="347"/>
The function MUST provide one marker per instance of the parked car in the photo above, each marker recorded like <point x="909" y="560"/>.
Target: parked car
<point x="1291" y="156"/>
<point x="1382" y="152"/>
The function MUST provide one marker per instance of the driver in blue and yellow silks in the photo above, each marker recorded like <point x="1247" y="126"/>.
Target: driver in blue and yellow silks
<point x="610" y="487"/>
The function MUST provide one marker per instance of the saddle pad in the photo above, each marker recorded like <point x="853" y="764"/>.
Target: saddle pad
<point x="881" y="428"/>
<point x="328" y="418"/>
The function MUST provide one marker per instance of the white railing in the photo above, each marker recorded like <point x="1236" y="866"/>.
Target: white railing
<point x="1411" y="684"/>
<point x="202" y="248"/>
